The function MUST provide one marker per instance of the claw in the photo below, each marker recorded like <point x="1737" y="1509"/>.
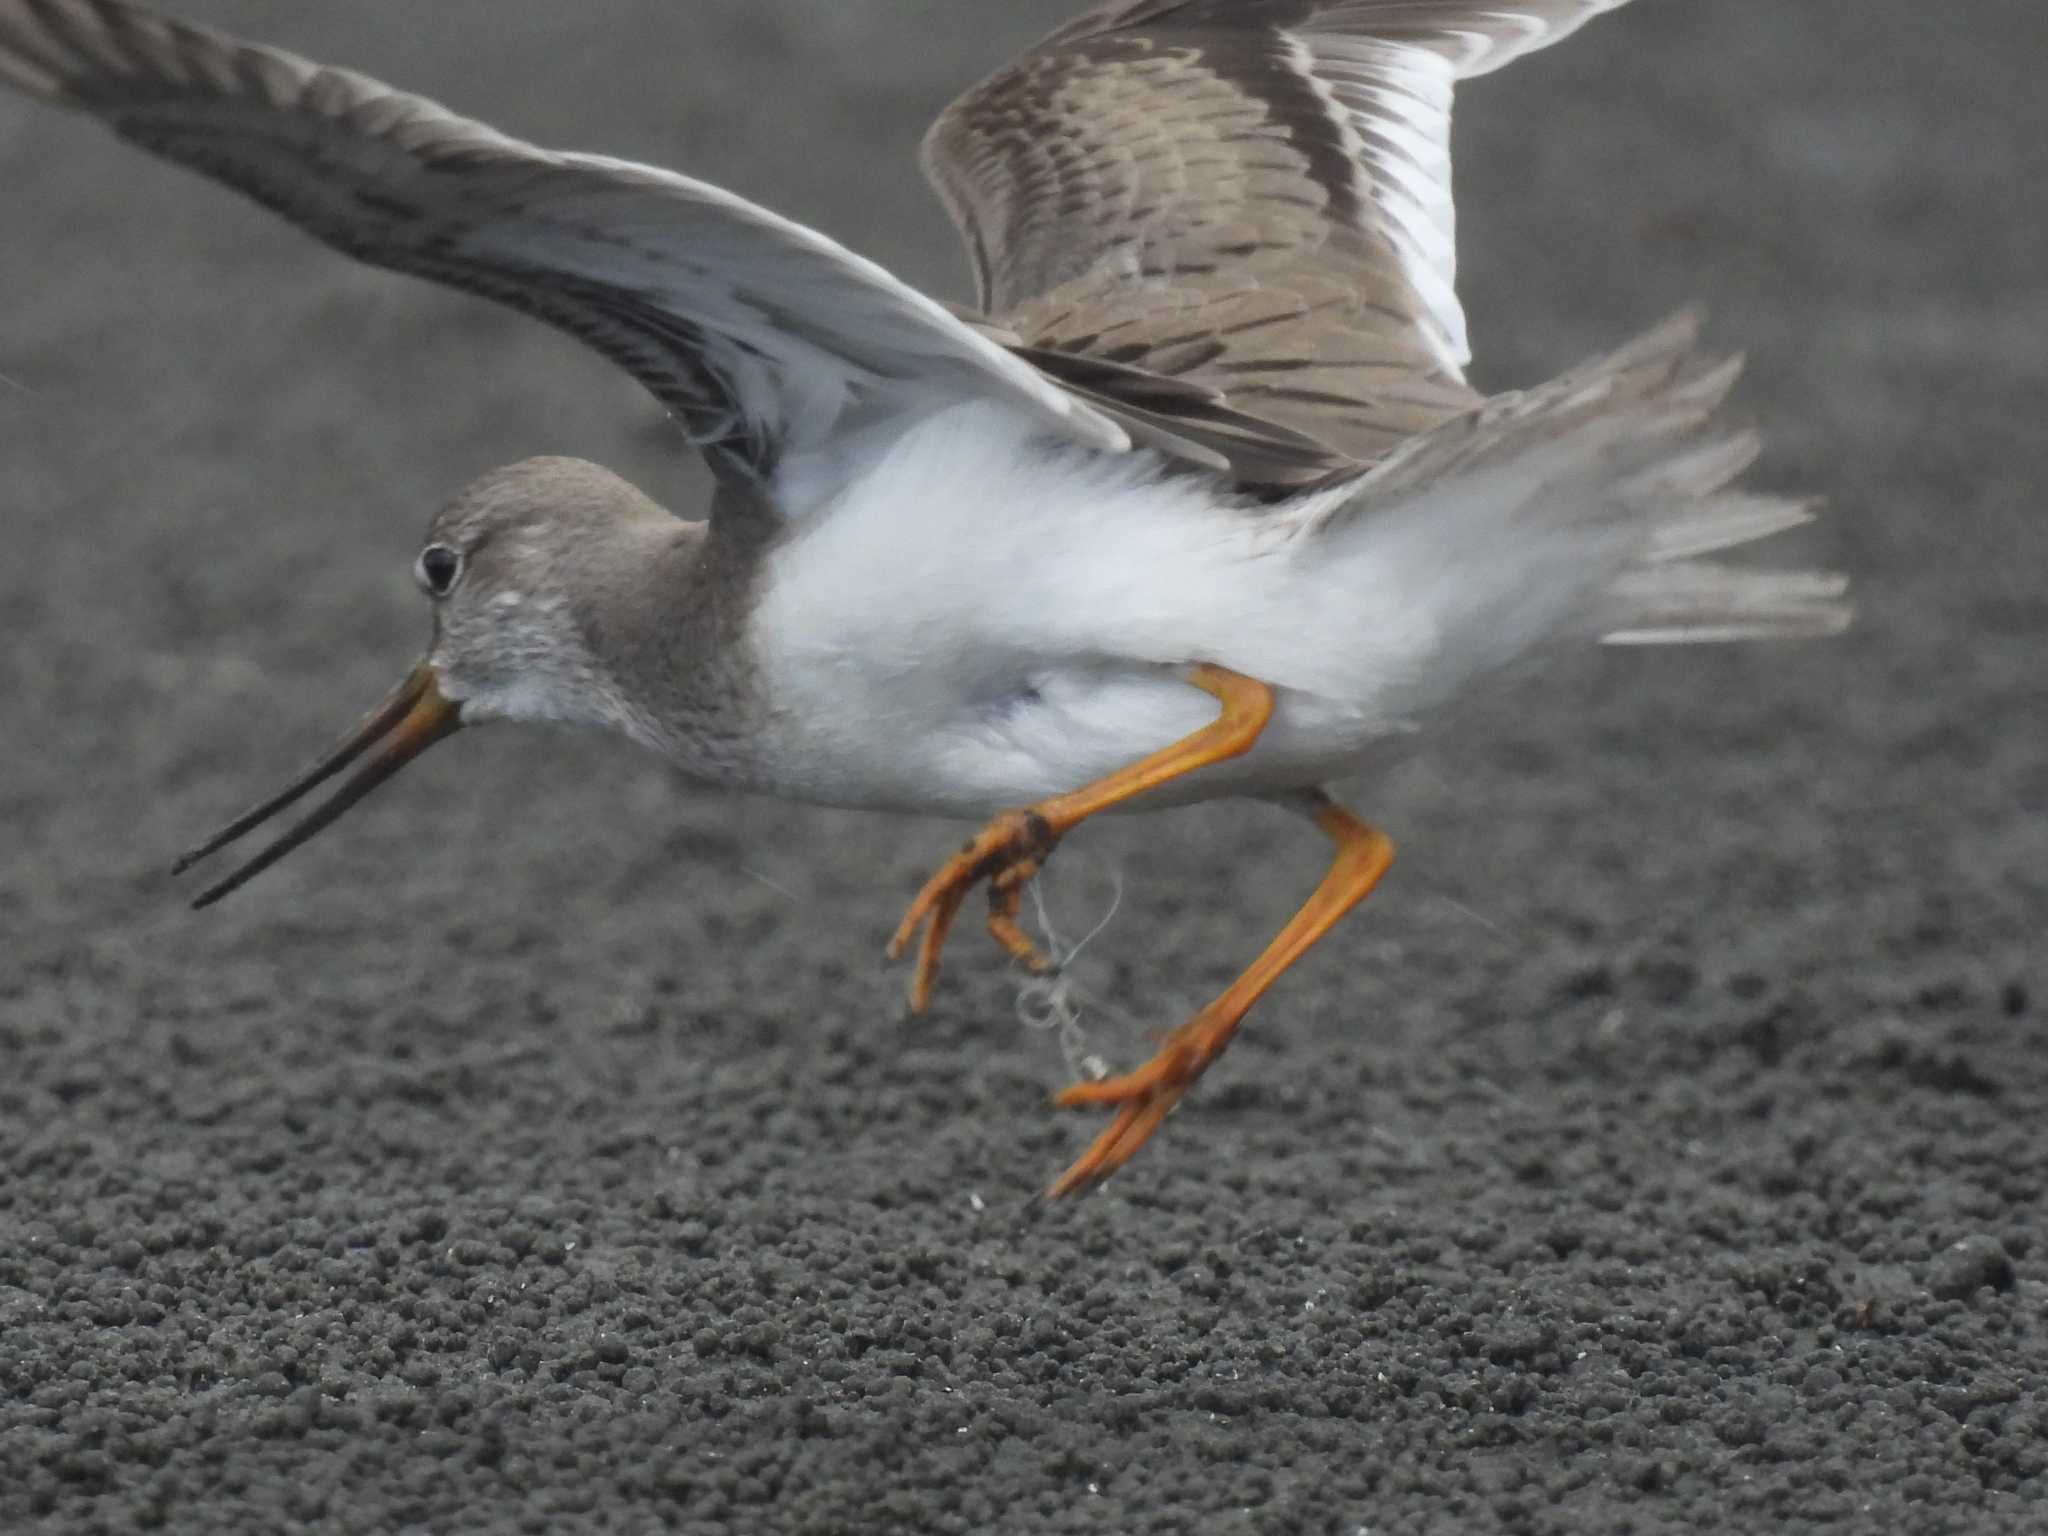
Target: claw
<point x="943" y="910"/>
<point x="1005" y="898"/>
<point x="1142" y="1098"/>
<point x="1119" y="1141"/>
<point x="1006" y="853"/>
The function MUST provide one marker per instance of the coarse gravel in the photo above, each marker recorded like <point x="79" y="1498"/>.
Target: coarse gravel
<point x="546" y="1149"/>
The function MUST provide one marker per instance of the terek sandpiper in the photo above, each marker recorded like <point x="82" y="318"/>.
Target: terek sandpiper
<point x="1195" y="501"/>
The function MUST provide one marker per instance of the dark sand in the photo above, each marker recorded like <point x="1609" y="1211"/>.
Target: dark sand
<point x="546" y="1149"/>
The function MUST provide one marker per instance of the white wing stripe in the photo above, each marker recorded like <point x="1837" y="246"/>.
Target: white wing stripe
<point x="1390" y="100"/>
<point x="1392" y="105"/>
<point x="1534" y="30"/>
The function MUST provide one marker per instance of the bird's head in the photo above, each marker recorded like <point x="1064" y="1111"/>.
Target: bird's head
<point x="526" y="569"/>
<point x="529" y="570"/>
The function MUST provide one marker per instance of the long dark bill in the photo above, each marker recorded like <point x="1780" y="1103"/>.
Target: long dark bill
<point x="412" y="719"/>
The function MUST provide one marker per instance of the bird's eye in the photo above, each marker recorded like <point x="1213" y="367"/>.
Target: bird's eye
<point x="438" y="570"/>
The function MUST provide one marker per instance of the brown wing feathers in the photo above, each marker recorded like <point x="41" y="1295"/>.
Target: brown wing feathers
<point x="1249" y="195"/>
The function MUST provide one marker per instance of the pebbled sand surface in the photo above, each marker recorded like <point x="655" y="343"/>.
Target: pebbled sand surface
<point x="546" y="1150"/>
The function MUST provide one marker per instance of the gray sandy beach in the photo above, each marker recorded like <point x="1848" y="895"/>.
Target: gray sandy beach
<point x="547" y="1148"/>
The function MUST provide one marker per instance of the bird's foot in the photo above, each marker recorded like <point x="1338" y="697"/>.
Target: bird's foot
<point x="1006" y="854"/>
<point x="1142" y="1098"/>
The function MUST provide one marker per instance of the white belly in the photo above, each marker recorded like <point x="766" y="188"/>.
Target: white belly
<point x="979" y="624"/>
<point x="1056" y="732"/>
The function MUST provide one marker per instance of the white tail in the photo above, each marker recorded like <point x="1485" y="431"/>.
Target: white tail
<point x="1586" y="506"/>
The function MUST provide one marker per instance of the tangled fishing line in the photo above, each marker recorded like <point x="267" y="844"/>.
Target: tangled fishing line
<point x="1054" y="1002"/>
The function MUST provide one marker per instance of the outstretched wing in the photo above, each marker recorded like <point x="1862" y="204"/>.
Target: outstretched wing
<point x="775" y="347"/>
<point x="1249" y="194"/>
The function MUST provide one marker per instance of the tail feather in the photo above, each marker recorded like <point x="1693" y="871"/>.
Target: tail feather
<point x="1693" y="601"/>
<point x="1696" y="472"/>
<point x="1723" y="522"/>
<point x="1584" y="506"/>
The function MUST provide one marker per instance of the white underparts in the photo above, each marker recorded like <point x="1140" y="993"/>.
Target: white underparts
<point x="987" y="616"/>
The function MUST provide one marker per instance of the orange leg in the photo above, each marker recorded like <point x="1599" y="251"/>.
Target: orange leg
<point x="1145" y="1097"/>
<point x="1013" y="846"/>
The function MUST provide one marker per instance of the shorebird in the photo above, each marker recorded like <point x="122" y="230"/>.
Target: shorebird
<point x="1194" y="502"/>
